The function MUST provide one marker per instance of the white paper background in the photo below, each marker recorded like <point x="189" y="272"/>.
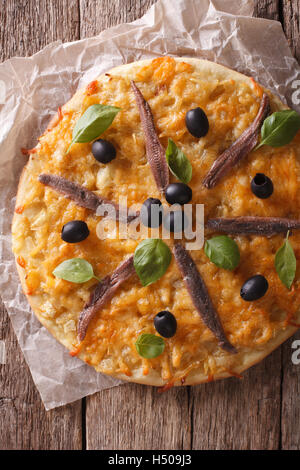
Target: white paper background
<point x="31" y="89"/>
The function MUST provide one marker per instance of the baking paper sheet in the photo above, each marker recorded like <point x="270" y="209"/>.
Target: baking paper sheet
<point x="31" y="90"/>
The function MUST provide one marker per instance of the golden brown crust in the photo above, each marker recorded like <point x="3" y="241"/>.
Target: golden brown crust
<point x="250" y="357"/>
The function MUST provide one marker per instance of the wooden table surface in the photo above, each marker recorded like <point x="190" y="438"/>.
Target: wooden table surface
<point x="262" y="411"/>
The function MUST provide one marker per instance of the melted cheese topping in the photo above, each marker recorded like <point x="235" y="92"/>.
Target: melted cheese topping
<point x="171" y="88"/>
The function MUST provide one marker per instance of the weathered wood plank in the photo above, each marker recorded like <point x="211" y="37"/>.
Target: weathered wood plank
<point x="97" y="16"/>
<point x="26" y="27"/>
<point x="269" y="9"/>
<point x="24" y="423"/>
<point x="138" y="417"/>
<point x="291" y="24"/>
<point x="239" y="414"/>
<point x="286" y="11"/>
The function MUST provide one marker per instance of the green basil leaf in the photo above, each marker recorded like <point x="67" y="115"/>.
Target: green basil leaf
<point x="74" y="270"/>
<point x="280" y="128"/>
<point x="178" y="163"/>
<point x="285" y="263"/>
<point x="149" y="346"/>
<point x="96" y="119"/>
<point x="223" y="252"/>
<point x="151" y="260"/>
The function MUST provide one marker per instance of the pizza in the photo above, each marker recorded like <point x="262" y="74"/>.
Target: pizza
<point x="145" y="309"/>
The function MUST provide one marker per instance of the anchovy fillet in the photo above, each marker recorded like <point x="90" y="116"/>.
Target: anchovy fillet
<point x="85" y="198"/>
<point x="253" y="225"/>
<point x="102" y="293"/>
<point x="155" y="152"/>
<point x="239" y="149"/>
<point x="200" y="296"/>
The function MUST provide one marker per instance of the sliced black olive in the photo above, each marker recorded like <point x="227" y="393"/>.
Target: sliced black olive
<point x="103" y="151"/>
<point x="151" y="212"/>
<point x="262" y="186"/>
<point x="254" y="288"/>
<point x="178" y="193"/>
<point x="175" y="221"/>
<point x="165" y="324"/>
<point x="196" y="122"/>
<point x="75" y="231"/>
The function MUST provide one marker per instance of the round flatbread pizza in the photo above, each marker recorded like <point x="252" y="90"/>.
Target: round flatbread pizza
<point x="147" y="308"/>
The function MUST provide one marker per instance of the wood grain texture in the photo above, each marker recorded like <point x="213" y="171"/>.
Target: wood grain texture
<point x="239" y="414"/>
<point x="95" y="16"/>
<point x="24" y="423"/>
<point x="260" y="412"/>
<point x="138" y="417"/>
<point x="291" y="24"/>
<point x="269" y="9"/>
<point x="27" y="26"/>
<point x="286" y="11"/>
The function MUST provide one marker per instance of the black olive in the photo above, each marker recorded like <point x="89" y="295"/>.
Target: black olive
<point x="165" y="324"/>
<point x="261" y="186"/>
<point x="196" y="122"/>
<point x="178" y="193"/>
<point x="254" y="288"/>
<point x="103" y="151"/>
<point x="75" y="231"/>
<point x="151" y="212"/>
<point x="175" y="221"/>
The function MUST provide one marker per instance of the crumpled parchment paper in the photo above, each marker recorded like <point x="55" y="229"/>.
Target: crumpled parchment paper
<point x="31" y="90"/>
